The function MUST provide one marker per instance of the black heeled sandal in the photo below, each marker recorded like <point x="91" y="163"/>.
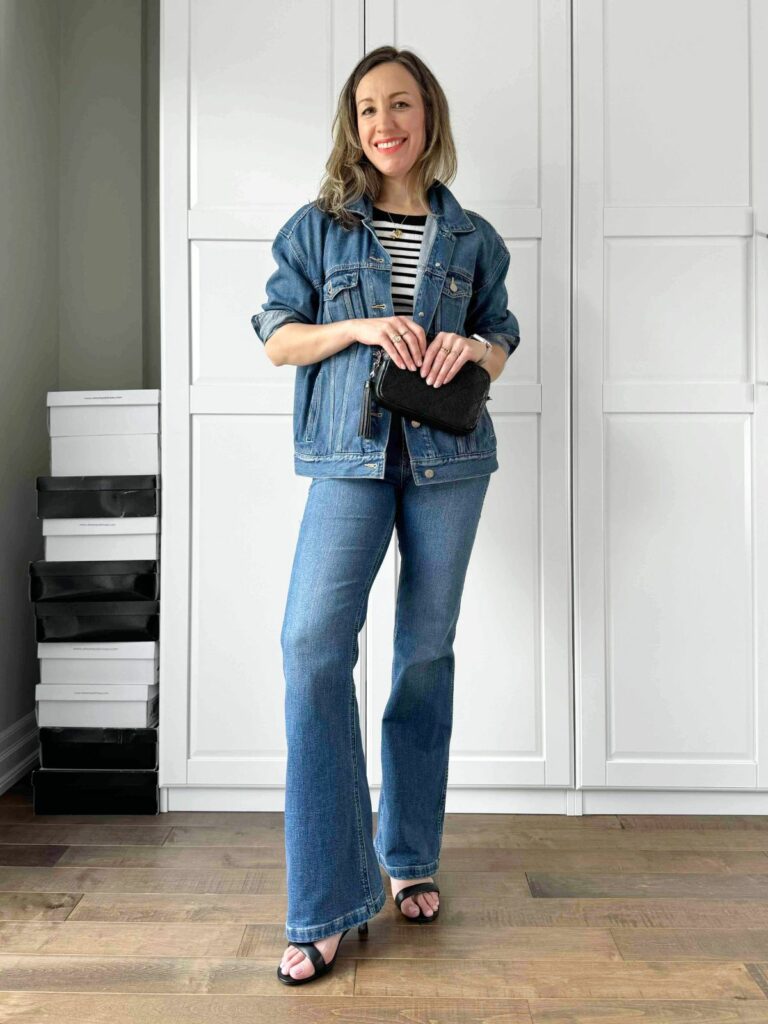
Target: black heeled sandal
<point x="314" y="954"/>
<point x="413" y="890"/>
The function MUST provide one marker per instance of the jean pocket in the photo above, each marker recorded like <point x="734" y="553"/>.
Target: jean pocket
<point x="341" y="296"/>
<point x="453" y="303"/>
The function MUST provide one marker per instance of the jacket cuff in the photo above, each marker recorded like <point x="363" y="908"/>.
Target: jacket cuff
<point x="508" y="342"/>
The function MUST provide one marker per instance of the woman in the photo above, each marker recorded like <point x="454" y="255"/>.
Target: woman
<point x="384" y="258"/>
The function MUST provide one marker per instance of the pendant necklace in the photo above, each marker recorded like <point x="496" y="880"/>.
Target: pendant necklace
<point x="396" y="231"/>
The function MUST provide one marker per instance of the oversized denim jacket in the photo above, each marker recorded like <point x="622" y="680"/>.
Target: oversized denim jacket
<point x="326" y="273"/>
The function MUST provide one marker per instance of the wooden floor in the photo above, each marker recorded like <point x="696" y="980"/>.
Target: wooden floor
<point x="180" y="918"/>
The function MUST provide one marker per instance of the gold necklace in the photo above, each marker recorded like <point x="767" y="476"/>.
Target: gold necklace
<point x="396" y="231"/>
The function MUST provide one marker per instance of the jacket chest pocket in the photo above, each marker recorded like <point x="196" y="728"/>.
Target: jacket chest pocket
<point x="452" y="304"/>
<point x="341" y="296"/>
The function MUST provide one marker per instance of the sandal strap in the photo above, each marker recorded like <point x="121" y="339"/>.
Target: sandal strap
<point x="313" y="953"/>
<point x="414" y="890"/>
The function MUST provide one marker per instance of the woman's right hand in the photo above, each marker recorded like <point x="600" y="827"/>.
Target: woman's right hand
<point x="407" y="351"/>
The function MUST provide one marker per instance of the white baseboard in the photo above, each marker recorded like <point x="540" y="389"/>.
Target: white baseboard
<point x="496" y="801"/>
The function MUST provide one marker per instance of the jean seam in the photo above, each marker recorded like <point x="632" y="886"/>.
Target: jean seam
<point x="356" y="629"/>
<point x="441" y="806"/>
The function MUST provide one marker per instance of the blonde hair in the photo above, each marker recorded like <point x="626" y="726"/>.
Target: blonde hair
<point x="350" y="174"/>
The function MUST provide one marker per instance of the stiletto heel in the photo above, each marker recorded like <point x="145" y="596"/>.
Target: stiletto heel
<point x="313" y="953"/>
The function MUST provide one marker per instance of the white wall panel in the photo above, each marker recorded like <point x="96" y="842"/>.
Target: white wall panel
<point x="263" y="86"/>
<point x="244" y="528"/>
<point x="678" y="555"/>
<point x="676" y="91"/>
<point x="225" y="276"/>
<point x="677" y="309"/>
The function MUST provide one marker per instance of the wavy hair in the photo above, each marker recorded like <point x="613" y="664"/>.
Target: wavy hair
<point x="349" y="174"/>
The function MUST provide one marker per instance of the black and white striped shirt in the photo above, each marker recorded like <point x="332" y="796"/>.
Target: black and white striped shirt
<point x="403" y="251"/>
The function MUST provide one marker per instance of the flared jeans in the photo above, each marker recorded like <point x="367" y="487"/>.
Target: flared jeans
<point x="332" y="861"/>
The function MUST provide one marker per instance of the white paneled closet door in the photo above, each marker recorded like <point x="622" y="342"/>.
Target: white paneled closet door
<point x="248" y="95"/>
<point x="671" y="167"/>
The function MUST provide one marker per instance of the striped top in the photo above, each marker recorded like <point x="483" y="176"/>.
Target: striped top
<point x="403" y="251"/>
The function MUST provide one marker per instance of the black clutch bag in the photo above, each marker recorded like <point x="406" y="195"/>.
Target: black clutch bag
<point x="455" y="407"/>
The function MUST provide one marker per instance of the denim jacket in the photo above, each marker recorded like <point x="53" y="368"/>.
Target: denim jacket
<point x="326" y="273"/>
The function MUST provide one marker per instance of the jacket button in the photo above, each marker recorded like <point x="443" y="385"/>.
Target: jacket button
<point x="429" y="473"/>
<point x="415" y="423"/>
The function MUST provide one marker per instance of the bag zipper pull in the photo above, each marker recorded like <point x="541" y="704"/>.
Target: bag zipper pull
<point x="366" y="419"/>
<point x="364" y="424"/>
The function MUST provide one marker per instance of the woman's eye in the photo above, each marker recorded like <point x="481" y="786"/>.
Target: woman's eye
<point x="396" y="104"/>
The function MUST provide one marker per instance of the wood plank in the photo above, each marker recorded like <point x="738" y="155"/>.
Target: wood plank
<point x="263" y="820"/>
<point x="33" y="856"/>
<point x="633" y="1011"/>
<point x="108" y="938"/>
<point x="40" y="906"/>
<point x="596" y="886"/>
<point x="181" y="975"/>
<point x="137" y="880"/>
<point x="66" y="1007"/>
<point x="184" y="858"/>
<point x="692" y="943"/>
<point x="533" y="979"/>
<point x="82" y="835"/>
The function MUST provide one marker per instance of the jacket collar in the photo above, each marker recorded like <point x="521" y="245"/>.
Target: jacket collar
<point x="441" y="200"/>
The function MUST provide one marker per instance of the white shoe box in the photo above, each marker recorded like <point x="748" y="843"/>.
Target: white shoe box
<point x="118" y="706"/>
<point x="107" y="433"/>
<point x="73" y="413"/>
<point x="105" y="455"/>
<point x="107" y="662"/>
<point x="116" y="537"/>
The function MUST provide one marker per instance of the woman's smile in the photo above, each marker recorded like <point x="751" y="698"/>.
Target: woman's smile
<point x="389" y="147"/>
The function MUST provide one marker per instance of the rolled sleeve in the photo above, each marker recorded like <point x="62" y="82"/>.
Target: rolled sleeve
<point x="487" y="315"/>
<point x="291" y="295"/>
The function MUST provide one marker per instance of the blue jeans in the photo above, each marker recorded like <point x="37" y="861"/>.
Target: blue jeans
<point x="333" y="864"/>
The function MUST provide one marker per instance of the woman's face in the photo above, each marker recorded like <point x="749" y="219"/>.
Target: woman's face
<point x="389" y="106"/>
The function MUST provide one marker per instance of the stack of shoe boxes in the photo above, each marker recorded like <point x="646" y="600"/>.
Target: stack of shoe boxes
<point x="96" y="599"/>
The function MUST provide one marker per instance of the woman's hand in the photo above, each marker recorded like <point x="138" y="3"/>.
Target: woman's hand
<point x="407" y="350"/>
<point x="440" y="366"/>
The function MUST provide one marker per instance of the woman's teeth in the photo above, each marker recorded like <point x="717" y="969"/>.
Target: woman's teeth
<point x="390" y="145"/>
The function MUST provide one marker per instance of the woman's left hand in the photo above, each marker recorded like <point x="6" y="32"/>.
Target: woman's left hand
<point x="439" y="366"/>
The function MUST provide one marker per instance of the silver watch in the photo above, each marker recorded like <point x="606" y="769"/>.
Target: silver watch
<point x="488" y="347"/>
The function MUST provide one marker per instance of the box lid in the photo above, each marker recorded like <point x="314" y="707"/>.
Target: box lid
<point x="96" y="691"/>
<point x="98" y="734"/>
<point x="140" y="482"/>
<point x="41" y="567"/>
<point x="46" y="608"/>
<point x="140" y="396"/>
<point x="89" y="526"/>
<point x="97" y="649"/>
